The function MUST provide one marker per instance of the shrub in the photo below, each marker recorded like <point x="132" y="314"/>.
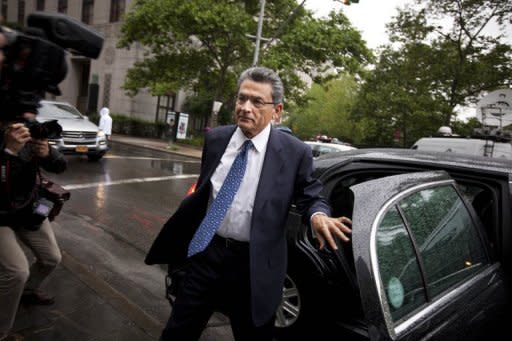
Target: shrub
<point x="136" y="127"/>
<point x="196" y="141"/>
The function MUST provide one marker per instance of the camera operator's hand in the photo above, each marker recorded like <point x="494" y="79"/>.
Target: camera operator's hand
<point x="40" y="148"/>
<point x="15" y="137"/>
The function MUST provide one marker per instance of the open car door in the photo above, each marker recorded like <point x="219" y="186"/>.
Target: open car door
<point x="421" y="260"/>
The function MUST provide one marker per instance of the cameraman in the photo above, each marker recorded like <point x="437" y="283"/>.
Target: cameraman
<point x="20" y="157"/>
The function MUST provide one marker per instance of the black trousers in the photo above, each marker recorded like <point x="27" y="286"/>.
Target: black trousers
<point x="217" y="280"/>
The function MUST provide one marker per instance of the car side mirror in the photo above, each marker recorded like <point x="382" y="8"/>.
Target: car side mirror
<point x="86" y="118"/>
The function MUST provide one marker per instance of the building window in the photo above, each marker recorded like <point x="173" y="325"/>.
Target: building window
<point x="21" y="11"/>
<point x="40" y="5"/>
<point x="4" y="9"/>
<point x="62" y="7"/>
<point x="116" y="10"/>
<point x="84" y="79"/>
<point x="164" y="105"/>
<point x="87" y="11"/>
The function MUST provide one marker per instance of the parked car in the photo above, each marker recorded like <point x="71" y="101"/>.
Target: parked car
<point x="79" y="135"/>
<point x="430" y="251"/>
<point x="321" y="148"/>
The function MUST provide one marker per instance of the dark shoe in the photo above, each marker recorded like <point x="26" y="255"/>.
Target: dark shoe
<point x="13" y="337"/>
<point x="36" y="297"/>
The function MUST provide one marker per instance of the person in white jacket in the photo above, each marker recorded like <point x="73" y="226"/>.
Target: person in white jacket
<point x="106" y="123"/>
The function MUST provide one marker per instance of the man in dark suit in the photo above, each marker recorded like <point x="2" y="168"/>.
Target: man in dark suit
<point x="231" y="231"/>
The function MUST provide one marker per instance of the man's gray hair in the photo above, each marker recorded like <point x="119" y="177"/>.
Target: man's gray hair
<point x="264" y="75"/>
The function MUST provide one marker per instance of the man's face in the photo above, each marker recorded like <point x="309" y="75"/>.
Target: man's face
<point x="253" y="118"/>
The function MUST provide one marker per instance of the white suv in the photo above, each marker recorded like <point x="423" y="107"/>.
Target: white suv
<point x="79" y="135"/>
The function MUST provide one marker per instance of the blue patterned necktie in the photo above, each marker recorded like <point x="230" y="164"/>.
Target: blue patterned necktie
<point x="221" y="203"/>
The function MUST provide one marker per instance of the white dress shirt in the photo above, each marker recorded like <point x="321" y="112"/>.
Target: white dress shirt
<point x="237" y="222"/>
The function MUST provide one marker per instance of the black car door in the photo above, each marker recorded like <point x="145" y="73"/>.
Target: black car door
<point x="421" y="260"/>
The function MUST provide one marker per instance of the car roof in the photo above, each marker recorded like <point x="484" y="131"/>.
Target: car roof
<point x="415" y="157"/>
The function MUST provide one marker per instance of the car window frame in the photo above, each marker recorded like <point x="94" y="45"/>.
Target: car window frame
<point x="475" y="223"/>
<point x="331" y="179"/>
<point x="402" y="326"/>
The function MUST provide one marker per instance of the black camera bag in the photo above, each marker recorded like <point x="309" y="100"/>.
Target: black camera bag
<point x="53" y="192"/>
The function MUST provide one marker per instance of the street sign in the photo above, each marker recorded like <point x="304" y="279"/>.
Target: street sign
<point x="182" y="126"/>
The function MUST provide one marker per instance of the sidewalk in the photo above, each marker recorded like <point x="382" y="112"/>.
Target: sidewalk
<point x="88" y="308"/>
<point x="160" y="145"/>
<point x="84" y="310"/>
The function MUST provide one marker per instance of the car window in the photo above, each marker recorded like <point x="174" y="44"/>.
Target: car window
<point x="431" y="238"/>
<point x="445" y="235"/>
<point x="398" y="266"/>
<point x="483" y="199"/>
<point x="325" y="150"/>
<point x="58" y="111"/>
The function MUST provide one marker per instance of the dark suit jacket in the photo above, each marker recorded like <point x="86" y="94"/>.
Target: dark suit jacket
<point x="285" y="176"/>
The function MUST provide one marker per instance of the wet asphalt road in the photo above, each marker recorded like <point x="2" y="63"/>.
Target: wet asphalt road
<point x="117" y="207"/>
<point x="130" y="192"/>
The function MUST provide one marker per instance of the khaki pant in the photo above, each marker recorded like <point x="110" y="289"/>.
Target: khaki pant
<point x="15" y="275"/>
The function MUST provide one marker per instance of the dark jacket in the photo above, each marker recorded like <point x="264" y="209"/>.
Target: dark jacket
<point x="285" y="177"/>
<point x="18" y="187"/>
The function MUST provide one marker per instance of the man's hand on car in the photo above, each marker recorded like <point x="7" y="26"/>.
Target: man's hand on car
<point x="326" y="228"/>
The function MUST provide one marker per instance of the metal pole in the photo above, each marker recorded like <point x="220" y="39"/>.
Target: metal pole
<point x="258" y="34"/>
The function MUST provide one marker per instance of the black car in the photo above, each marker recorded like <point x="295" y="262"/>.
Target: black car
<point x="430" y="252"/>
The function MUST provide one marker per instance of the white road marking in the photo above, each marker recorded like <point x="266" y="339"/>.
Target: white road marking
<point x="130" y="181"/>
<point x="148" y="158"/>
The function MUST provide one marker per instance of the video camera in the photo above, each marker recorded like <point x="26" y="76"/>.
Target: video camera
<point x="46" y="130"/>
<point x="35" y="63"/>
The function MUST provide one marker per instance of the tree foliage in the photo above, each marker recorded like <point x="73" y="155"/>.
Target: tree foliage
<point x="428" y="69"/>
<point x="202" y="45"/>
<point x="328" y="112"/>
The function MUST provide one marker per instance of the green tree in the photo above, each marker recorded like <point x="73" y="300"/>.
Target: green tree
<point x="328" y="111"/>
<point x="429" y="69"/>
<point x="202" y="45"/>
<point x="465" y="128"/>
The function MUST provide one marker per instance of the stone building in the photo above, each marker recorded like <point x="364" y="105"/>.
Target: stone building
<point x="109" y="70"/>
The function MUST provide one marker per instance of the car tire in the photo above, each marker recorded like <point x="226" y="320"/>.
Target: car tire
<point x="296" y="310"/>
